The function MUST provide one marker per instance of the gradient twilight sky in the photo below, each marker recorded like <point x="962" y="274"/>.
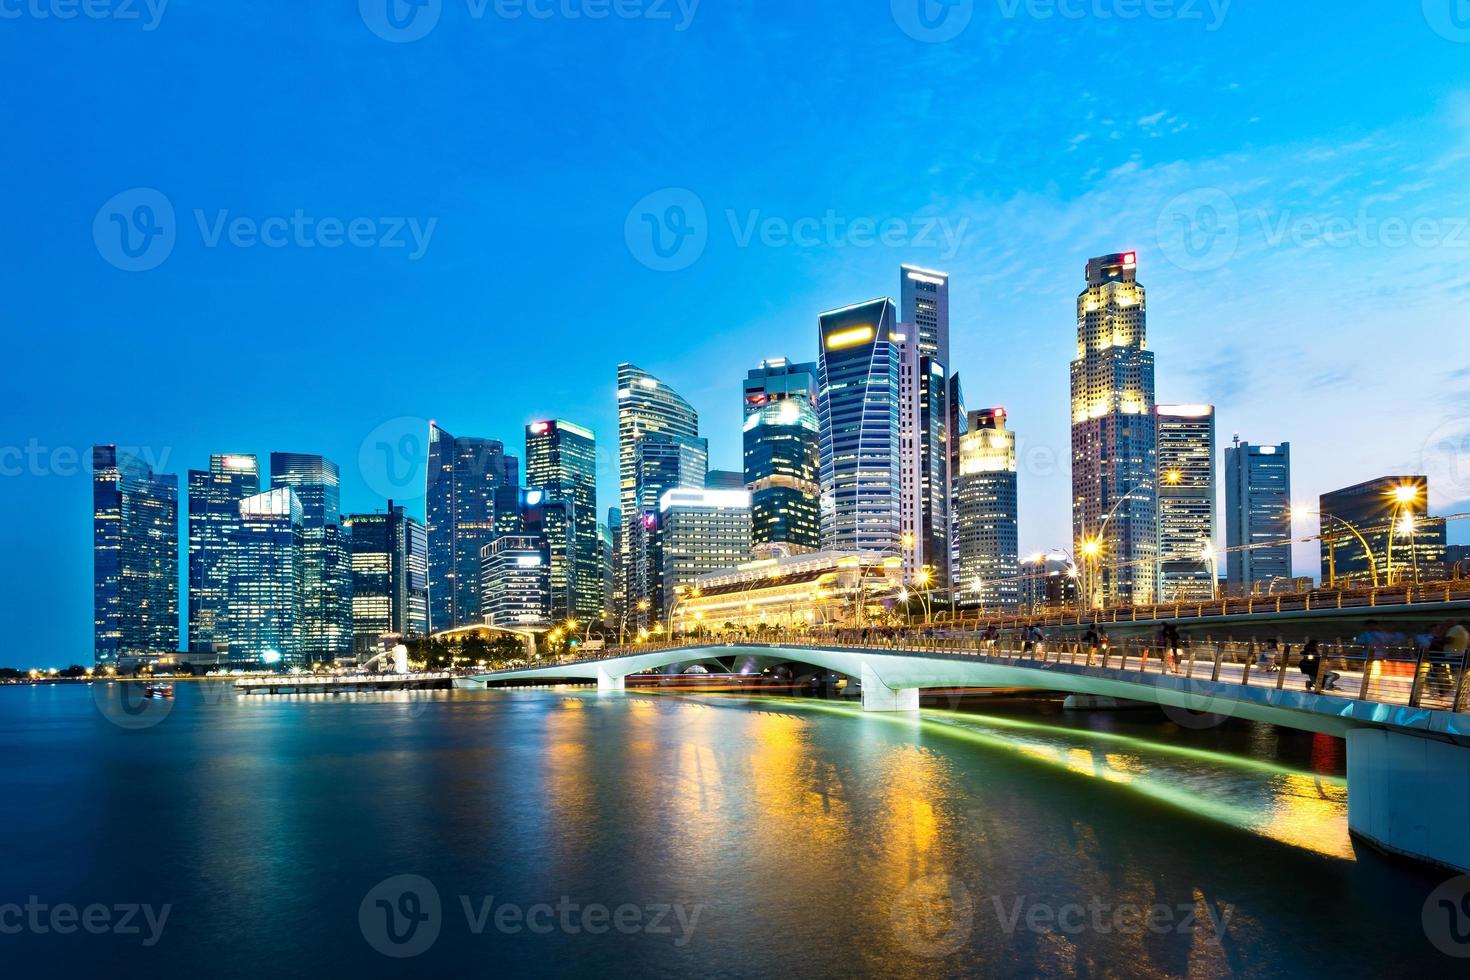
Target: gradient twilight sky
<point x="1293" y="176"/>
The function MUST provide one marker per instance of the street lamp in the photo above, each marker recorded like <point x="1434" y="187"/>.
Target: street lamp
<point x="1404" y="497"/>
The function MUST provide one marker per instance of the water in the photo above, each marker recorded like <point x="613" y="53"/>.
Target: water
<point x="734" y="838"/>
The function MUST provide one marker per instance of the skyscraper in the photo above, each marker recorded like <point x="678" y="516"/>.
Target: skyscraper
<point x="552" y="521"/>
<point x="1188" y="562"/>
<point x="700" y="531"/>
<point x="269" y="582"/>
<point x="858" y="397"/>
<point x="782" y="457"/>
<point x="1114" y="503"/>
<point x="663" y="463"/>
<point x="460" y="509"/>
<point x="1257" y="516"/>
<point x="135" y="554"/>
<point x="1379" y="533"/>
<point x="390" y="576"/>
<point x="515" y="581"/>
<point x="561" y="461"/>
<point x="987" y="529"/>
<point x="214" y="508"/>
<point x="959" y="425"/>
<point x="326" y="624"/>
<point x="924" y="311"/>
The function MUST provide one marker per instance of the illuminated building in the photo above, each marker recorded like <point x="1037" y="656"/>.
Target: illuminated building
<point x="1257" y="517"/>
<point x="987" y="529"/>
<point x="1379" y="533"/>
<point x="267" y="609"/>
<point x="663" y="462"/>
<point x="214" y="507"/>
<point x="648" y="409"/>
<point x="924" y="313"/>
<point x="815" y="589"/>
<point x="464" y="475"/>
<point x="1114" y="507"/>
<point x="607" y="548"/>
<point x="1185" y="444"/>
<point x="959" y="425"/>
<point x="1049" y="582"/>
<point x="782" y="457"/>
<point x="552" y="523"/>
<point x="858" y="406"/>
<point x="389" y="553"/>
<point x="700" y="531"/>
<point x="516" y="583"/>
<point x="135" y="554"/>
<point x="326" y="625"/>
<point x="561" y="460"/>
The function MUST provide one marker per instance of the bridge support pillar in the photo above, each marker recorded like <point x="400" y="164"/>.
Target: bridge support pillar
<point x="1410" y="796"/>
<point x="878" y="696"/>
<point x="607" y="682"/>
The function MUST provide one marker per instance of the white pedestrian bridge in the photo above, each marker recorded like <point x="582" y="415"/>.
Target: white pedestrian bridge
<point x="1403" y="713"/>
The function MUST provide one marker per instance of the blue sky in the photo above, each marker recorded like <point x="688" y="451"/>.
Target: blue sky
<point x="1294" y="177"/>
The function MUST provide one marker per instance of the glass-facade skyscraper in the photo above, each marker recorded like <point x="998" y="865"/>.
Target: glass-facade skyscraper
<point x="1257" y="516"/>
<point x="135" y="555"/>
<point x="326" y="624"/>
<point x="561" y="461"/>
<point x="700" y="531"/>
<point x="552" y="521"/>
<point x="783" y="467"/>
<point x="1379" y="533"/>
<point x="987" y="528"/>
<point x="1185" y="444"/>
<point x="924" y="312"/>
<point x="463" y="477"/>
<point x="858" y="414"/>
<point x="390" y="576"/>
<point x="269" y="569"/>
<point x="1114" y="503"/>
<point x="214" y="509"/>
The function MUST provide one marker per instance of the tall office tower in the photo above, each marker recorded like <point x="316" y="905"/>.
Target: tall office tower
<point x="269" y="591"/>
<point x="561" y="460"/>
<point x="959" y="426"/>
<point x="614" y="571"/>
<point x="700" y="531"/>
<point x="390" y="576"/>
<point x="1379" y="533"/>
<point x="1188" y="558"/>
<point x="460" y="507"/>
<point x="662" y="463"/>
<point x="924" y="310"/>
<point x="326" y="625"/>
<point x="515" y="581"/>
<point x="606" y="549"/>
<point x="646" y="407"/>
<point x="988" y="536"/>
<point x="783" y="467"/>
<point x="858" y="404"/>
<point x="1257" y="516"/>
<point x="553" y="522"/>
<point x="1114" y="503"/>
<point x="135" y="555"/>
<point x="724" y="480"/>
<point x="214" y="507"/>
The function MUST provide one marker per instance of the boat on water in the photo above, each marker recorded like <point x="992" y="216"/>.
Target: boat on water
<point x="469" y="684"/>
<point x="158" y="692"/>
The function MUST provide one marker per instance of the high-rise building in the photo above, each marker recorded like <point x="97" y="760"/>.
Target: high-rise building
<point x="924" y="312"/>
<point x="987" y="528"/>
<point x="613" y="572"/>
<point x="214" y="508"/>
<point x="460" y="509"/>
<point x="1379" y="533"/>
<point x="1188" y="552"/>
<point x="561" y="461"/>
<point x="724" y="480"/>
<point x="390" y="576"/>
<point x="959" y="426"/>
<point x="858" y="405"/>
<point x="783" y="466"/>
<point x="1114" y="502"/>
<point x="516" y="582"/>
<point x="606" y="549"/>
<point x="269" y="576"/>
<point x="1049" y="582"/>
<point x="1257" y="517"/>
<point x="552" y="521"/>
<point x="700" y="531"/>
<point x="326" y="624"/>
<point x="648" y="409"/>
<point x="135" y="554"/>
